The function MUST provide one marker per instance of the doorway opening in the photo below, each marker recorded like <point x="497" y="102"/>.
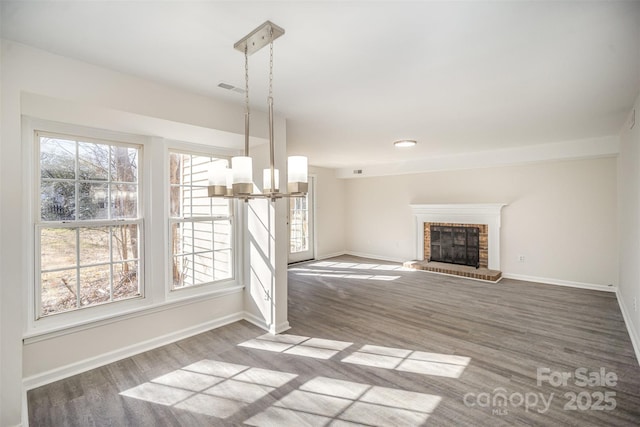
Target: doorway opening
<point x="301" y="226"/>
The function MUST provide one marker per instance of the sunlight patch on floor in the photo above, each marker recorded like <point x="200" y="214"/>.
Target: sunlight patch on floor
<point x="210" y="387"/>
<point x="326" y="401"/>
<point x="317" y="348"/>
<point x="419" y="362"/>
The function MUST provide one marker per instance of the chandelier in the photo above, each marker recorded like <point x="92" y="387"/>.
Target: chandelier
<point x="237" y="182"/>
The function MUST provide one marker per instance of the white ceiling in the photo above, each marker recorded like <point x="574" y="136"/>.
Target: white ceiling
<point x="351" y="77"/>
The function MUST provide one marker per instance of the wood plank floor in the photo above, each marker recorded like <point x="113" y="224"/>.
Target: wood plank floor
<point x="372" y="344"/>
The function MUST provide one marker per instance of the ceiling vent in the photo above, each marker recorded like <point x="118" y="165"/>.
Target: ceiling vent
<point x="232" y="88"/>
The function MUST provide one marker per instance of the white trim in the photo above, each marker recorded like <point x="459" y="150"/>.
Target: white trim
<point x="255" y="320"/>
<point x="37" y="336"/>
<point x="475" y="213"/>
<point x="560" y="282"/>
<point x="607" y="146"/>
<point x="280" y="328"/>
<point x="333" y="255"/>
<point x="262" y="324"/>
<point x="633" y="334"/>
<point x="374" y="256"/>
<point x="122" y="353"/>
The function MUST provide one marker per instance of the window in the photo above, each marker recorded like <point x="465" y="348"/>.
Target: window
<point x="88" y="232"/>
<point x="299" y="224"/>
<point x="200" y="226"/>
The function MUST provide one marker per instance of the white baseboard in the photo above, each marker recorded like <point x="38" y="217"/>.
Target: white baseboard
<point x="374" y="256"/>
<point x="259" y="322"/>
<point x="121" y="353"/>
<point x="284" y="326"/>
<point x="333" y="255"/>
<point x="559" y="282"/>
<point x="633" y="334"/>
<point x="262" y="324"/>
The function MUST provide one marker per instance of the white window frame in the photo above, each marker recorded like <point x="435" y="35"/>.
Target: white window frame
<point x="153" y="203"/>
<point x="91" y="136"/>
<point x="202" y="288"/>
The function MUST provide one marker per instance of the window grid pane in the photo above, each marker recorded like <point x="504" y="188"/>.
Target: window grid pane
<point x="299" y="228"/>
<point x="89" y="259"/>
<point x="200" y="226"/>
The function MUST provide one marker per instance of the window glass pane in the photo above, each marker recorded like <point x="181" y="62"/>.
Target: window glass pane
<point x="181" y="238"/>
<point x="124" y="242"/>
<point x="94" y="245"/>
<point x="175" y="201"/>
<point x="202" y="236"/>
<point x="222" y="235"/>
<point x="125" y="280"/>
<point x="58" y="201"/>
<point x="181" y="268"/>
<point x="93" y="161"/>
<point x="95" y="286"/>
<point x="124" y="201"/>
<point x="200" y="170"/>
<point x="57" y="158"/>
<point x="175" y="168"/>
<point x="124" y="164"/>
<point x="202" y="268"/>
<point x="220" y="206"/>
<point x="200" y="201"/>
<point x="222" y="265"/>
<point x="57" y="248"/>
<point x="58" y="292"/>
<point x="185" y="203"/>
<point x="93" y="201"/>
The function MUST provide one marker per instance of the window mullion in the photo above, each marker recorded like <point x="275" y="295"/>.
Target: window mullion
<point x="77" y="186"/>
<point x="77" y="230"/>
<point x="110" y="263"/>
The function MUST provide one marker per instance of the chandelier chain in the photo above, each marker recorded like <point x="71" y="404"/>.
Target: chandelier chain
<point x="246" y="81"/>
<point x="271" y="65"/>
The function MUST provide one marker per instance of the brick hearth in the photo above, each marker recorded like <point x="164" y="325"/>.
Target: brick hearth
<point x="482" y="273"/>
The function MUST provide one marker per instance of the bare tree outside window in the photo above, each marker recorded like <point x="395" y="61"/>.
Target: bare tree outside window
<point x="89" y="229"/>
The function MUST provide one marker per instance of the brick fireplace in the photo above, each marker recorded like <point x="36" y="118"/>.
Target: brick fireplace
<point x="483" y="248"/>
<point x="486" y="218"/>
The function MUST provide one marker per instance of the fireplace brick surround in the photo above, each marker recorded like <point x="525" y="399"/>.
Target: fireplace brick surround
<point x="484" y="239"/>
<point x="486" y="217"/>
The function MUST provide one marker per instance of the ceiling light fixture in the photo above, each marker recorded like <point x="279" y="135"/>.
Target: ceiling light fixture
<point x="403" y="143"/>
<point x="237" y="182"/>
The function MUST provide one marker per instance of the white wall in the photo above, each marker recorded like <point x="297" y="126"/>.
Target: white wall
<point x="561" y="215"/>
<point x="329" y="213"/>
<point x="629" y="217"/>
<point x="55" y="88"/>
<point x="2" y="320"/>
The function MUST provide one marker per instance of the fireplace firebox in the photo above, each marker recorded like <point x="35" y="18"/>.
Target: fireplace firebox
<point x="455" y="244"/>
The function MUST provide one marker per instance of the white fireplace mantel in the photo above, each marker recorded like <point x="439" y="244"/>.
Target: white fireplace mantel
<point x="477" y="213"/>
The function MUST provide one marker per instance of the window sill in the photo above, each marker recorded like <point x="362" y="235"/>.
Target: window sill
<point x="36" y="335"/>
